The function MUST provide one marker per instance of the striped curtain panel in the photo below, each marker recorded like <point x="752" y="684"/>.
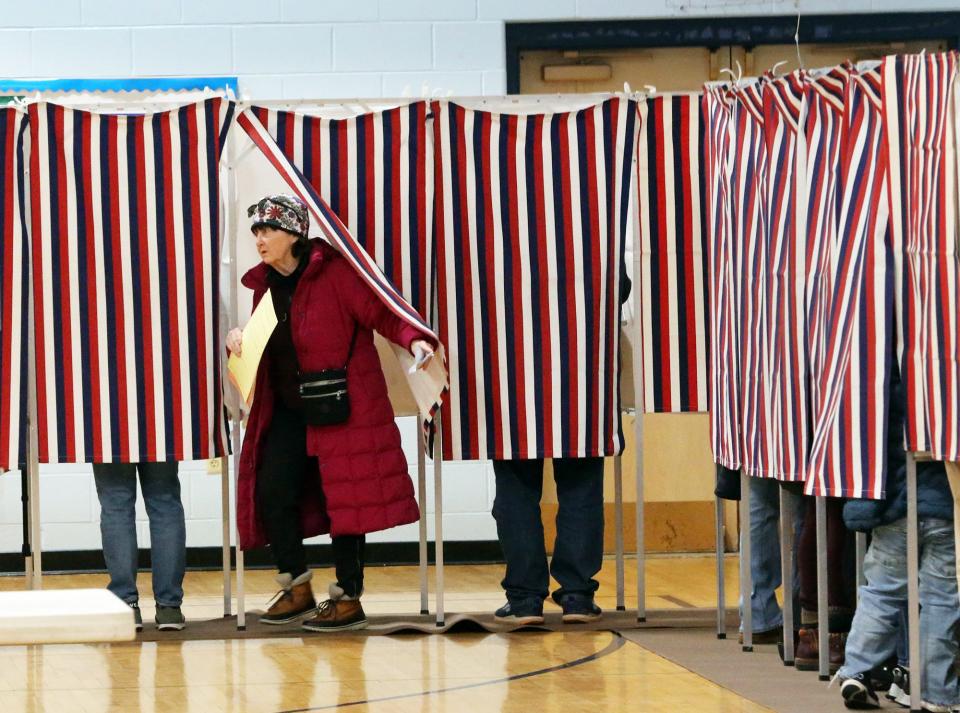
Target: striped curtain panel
<point x="921" y="101"/>
<point x="14" y="271"/>
<point x="375" y="171"/>
<point x="427" y="385"/>
<point x="532" y="212"/>
<point x="848" y="454"/>
<point x="673" y="286"/>
<point x="786" y="275"/>
<point x="749" y="221"/>
<point x="723" y="254"/>
<point x="824" y="99"/>
<point x="125" y="239"/>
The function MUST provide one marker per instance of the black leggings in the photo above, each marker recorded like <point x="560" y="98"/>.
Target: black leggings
<point x="280" y="491"/>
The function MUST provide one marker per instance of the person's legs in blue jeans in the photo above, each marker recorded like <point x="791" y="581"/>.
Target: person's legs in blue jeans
<point x="516" y="509"/>
<point x="765" y="567"/>
<point x="876" y="622"/>
<point x="117" y="491"/>
<point x="939" y="613"/>
<point x="578" y="548"/>
<point x="168" y="536"/>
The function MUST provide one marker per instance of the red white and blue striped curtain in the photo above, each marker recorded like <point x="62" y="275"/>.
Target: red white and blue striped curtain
<point x="749" y="221"/>
<point x="786" y="275"/>
<point x="14" y="271"/>
<point x="428" y="385"/>
<point x="375" y="171"/>
<point x="848" y="454"/>
<point x="921" y="101"/>
<point x="125" y="238"/>
<point x="672" y="284"/>
<point x="532" y="211"/>
<point x="723" y="258"/>
<point x="824" y="99"/>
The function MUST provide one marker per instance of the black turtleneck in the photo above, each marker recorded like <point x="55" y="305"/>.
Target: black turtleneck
<point x="282" y="356"/>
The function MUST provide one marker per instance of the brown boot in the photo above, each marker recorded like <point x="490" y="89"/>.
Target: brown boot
<point x="838" y="646"/>
<point x="807" y="656"/>
<point x="294" y="600"/>
<point x="338" y="613"/>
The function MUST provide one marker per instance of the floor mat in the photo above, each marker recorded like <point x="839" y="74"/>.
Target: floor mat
<point x="226" y="627"/>
<point x="759" y="676"/>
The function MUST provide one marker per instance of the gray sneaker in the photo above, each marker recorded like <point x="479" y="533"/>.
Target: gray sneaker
<point x="170" y="619"/>
<point x="137" y="618"/>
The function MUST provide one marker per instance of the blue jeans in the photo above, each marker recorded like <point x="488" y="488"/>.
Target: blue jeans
<point x="765" y="569"/>
<point x="578" y="548"/>
<point x="117" y="490"/>
<point x="878" y="620"/>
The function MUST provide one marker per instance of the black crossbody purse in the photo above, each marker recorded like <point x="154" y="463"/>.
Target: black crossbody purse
<point x="323" y="394"/>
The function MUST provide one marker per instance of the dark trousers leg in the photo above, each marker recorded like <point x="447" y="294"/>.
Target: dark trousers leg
<point x="516" y="509"/>
<point x="578" y="549"/>
<point x="348" y="560"/>
<point x="807" y="557"/>
<point x="280" y="489"/>
<point x="839" y="580"/>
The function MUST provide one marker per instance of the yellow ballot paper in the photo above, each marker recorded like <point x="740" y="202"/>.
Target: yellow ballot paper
<point x="243" y="369"/>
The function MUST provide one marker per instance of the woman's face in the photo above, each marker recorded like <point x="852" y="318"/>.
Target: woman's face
<point x="274" y="245"/>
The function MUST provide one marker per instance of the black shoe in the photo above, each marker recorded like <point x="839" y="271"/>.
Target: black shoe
<point x="579" y="610"/>
<point x="137" y="618"/>
<point x="522" y="612"/>
<point x="882" y="676"/>
<point x="899" y="691"/>
<point x="858" y="694"/>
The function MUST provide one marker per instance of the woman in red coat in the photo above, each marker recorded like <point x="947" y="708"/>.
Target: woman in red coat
<point x="298" y="480"/>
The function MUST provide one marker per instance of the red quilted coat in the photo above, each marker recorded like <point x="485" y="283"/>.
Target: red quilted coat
<point x="362" y="484"/>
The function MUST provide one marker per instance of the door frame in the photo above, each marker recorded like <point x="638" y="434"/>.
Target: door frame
<point x="714" y="32"/>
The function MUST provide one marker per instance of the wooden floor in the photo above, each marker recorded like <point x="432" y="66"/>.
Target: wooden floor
<point x="525" y="672"/>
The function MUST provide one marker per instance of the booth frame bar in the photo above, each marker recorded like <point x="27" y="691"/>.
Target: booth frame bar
<point x="639" y="397"/>
<point x="823" y="612"/>
<point x="746" y="576"/>
<point x="422" y="503"/>
<point x="234" y="312"/>
<point x="618" y="529"/>
<point x="438" y="516"/>
<point x="787" y="540"/>
<point x="225" y="531"/>
<point x="721" y="573"/>
<point x="241" y="589"/>
<point x="33" y="564"/>
<point x="913" y="584"/>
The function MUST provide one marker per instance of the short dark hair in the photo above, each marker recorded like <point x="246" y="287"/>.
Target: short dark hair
<point x="301" y="247"/>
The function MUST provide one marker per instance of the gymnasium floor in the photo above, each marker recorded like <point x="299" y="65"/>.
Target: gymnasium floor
<point x="523" y="672"/>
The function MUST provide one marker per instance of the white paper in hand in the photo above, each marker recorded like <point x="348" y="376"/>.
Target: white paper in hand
<point x="243" y="368"/>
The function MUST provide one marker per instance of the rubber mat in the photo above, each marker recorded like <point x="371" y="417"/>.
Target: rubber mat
<point x="385" y="625"/>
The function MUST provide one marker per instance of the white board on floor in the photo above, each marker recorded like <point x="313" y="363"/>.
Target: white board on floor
<point x="64" y="616"/>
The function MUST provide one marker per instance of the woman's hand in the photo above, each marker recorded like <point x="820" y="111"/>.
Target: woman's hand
<point x="234" y="339"/>
<point x="423" y="353"/>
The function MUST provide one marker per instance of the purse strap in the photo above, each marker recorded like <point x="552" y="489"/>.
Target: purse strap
<point x="353" y="341"/>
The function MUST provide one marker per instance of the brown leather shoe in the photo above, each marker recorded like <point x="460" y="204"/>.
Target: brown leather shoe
<point x="338" y="613"/>
<point x="807" y="656"/>
<point x="293" y="601"/>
